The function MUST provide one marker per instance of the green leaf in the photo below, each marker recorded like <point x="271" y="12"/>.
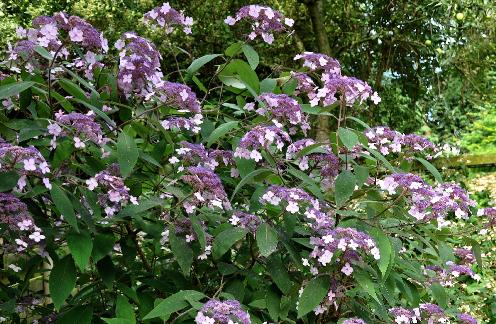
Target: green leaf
<point x="43" y="52"/>
<point x="266" y="239"/>
<point x="248" y="177"/>
<point x="199" y="62"/>
<point x="385" y="248"/>
<point x="251" y="56"/>
<point x="102" y="245"/>
<point x="344" y="187"/>
<point x="220" y="131"/>
<point x="381" y="158"/>
<point x="200" y="233"/>
<point x="144" y="205"/>
<point x="8" y="180"/>
<point x="439" y="294"/>
<point x="273" y="303"/>
<point x="225" y="240"/>
<point x="81" y="246"/>
<point x="64" y="205"/>
<point x="476" y="250"/>
<point x="267" y="85"/>
<point x="77" y="315"/>
<point x="62" y="281"/>
<point x="73" y="89"/>
<point x="238" y="70"/>
<point x="279" y="273"/>
<point x="313" y="294"/>
<point x="127" y="153"/>
<point x="432" y="169"/>
<point x="181" y="250"/>
<point x="12" y="89"/>
<point x="366" y="283"/>
<point x="234" y="49"/>
<point x="365" y="125"/>
<point x="117" y="321"/>
<point x="123" y="309"/>
<point x="174" y="304"/>
<point x="348" y="137"/>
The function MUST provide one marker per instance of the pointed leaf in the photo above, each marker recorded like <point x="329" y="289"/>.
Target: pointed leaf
<point x="220" y="131"/>
<point x="80" y="245"/>
<point x="226" y="239"/>
<point x="313" y="294"/>
<point x="127" y="153"/>
<point x="64" y="205"/>
<point x="344" y="187"/>
<point x="62" y="281"/>
<point x="266" y="239"/>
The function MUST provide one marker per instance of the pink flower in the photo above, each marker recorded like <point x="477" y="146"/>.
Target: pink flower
<point x="76" y="35"/>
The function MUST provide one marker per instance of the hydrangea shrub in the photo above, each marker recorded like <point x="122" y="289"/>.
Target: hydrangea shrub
<point x="132" y="192"/>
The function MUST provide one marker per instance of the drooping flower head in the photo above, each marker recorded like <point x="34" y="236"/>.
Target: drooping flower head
<point x="222" y="312"/>
<point x="264" y="21"/>
<point x="167" y="17"/>
<point x="295" y="198"/>
<point x="139" y="64"/>
<point x="198" y="155"/>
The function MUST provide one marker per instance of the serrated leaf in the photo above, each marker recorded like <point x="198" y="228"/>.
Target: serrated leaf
<point x="102" y="245"/>
<point x="344" y="187"/>
<point x="220" y="131"/>
<point x="348" y="137"/>
<point x="62" y="281"/>
<point x="313" y="294"/>
<point x="127" y="153"/>
<point x="266" y="239"/>
<point x="199" y="62"/>
<point x="174" y="304"/>
<point x="181" y="250"/>
<point x="366" y="283"/>
<point x="124" y="310"/>
<point x="81" y="246"/>
<point x="226" y="239"/>
<point x="77" y="315"/>
<point x="251" y="56"/>
<point x="64" y="205"/>
<point x="385" y="249"/>
<point x="273" y="303"/>
<point x="12" y="89"/>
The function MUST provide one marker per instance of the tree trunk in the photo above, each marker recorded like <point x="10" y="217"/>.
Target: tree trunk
<point x="316" y="10"/>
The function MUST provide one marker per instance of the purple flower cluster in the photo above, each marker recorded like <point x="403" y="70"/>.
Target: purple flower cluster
<point x="113" y="192"/>
<point x="182" y="98"/>
<point x="333" y="82"/>
<point x="388" y="141"/>
<point x="465" y="318"/>
<point x="26" y="161"/>
<point x="490" y="214"/>
<point x="197" y="154"/>
<point x="47" y="33"/>
<point x="261" y="137"/>
<point x="245" y="220"/>
<point x="447" y="275"/>
<point x="139" y="65"/>
<point x="354" y="320"/>
<point x="327" y="164"/>
<point x="166" y="17"/>
<point x="294" y="198"/>
<point x="264" y="21"/>
<point x="466" y="256"/>
<point x="431" y="313"/>
<point x="222" y="312"/>
<point x="207" y="190"/>
<point x="429" y="202"/>
<point x="15" y="215"/>
<point x="282" y="109"/>
<point x="304" y="84"/>
<point x="347" y="241"/>
<point x="81" y="127"/>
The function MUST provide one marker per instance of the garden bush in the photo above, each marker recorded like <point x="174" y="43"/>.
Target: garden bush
<point x="136" y="192"/>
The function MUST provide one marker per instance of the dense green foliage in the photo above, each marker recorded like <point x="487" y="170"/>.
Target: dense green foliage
<point x="432" y="61"/>
<point x="147" y="181"/>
